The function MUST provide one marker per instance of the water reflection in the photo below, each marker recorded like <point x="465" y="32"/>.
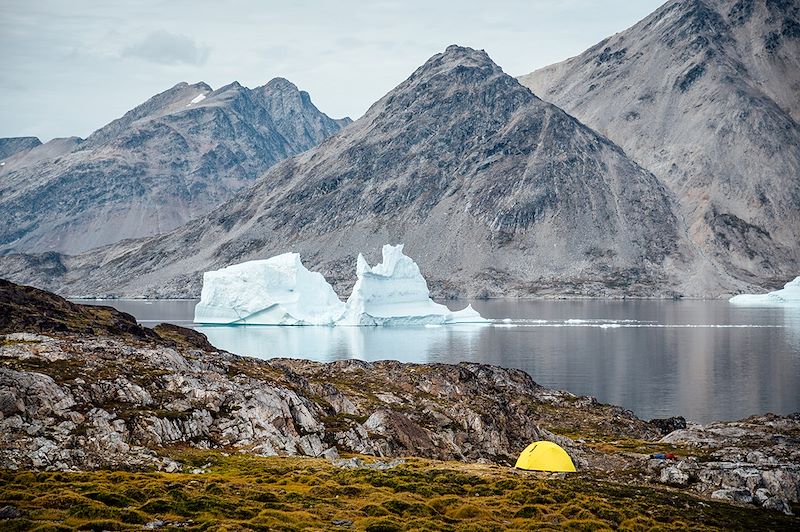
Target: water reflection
<point x="705" y="360"/>
<point x="407" y="344"/>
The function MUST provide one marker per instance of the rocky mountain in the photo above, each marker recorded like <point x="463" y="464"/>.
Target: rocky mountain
<point x="167" y="161"/>
<point x="11" y="145"/>
<point x="706" y="95"/>
<point x="37" y="154"/>
<point x="493" y="191"/>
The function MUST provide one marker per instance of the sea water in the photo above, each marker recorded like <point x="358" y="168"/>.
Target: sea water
<point x="705" y="360"/>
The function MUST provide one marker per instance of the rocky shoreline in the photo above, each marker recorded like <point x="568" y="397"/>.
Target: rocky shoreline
<point x="86" y="388"/>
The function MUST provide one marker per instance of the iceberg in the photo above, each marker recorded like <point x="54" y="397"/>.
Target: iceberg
<point x="275" y="291"/>
<point x="281" y="291"/>
<point x="788" y="296"/>
<point x="394" y="292"/>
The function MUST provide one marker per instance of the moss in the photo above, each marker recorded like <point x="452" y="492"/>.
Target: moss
<point x="407" y="509"/>
<point x="101" y="525"/>
<point x="60" y="500"/>
<point x="374" y="510"/>
<point x="49" y="527"/>
<point x="587" y="525"/>
<point x="9" y="341"/>
<point x="340" y="422"/>
<point x="110" y="499"/>
<point x="531" y="512"/>
<point x="467" y="511"/>
<point x="384" y="525"/>
<point x="15" y="525"/>
<point x="157" y="506"/>
<point x="90" y="510"/>
<point x="246" y="492"/>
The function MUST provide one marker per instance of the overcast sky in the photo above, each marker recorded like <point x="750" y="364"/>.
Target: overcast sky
<point x="69" y="67"/>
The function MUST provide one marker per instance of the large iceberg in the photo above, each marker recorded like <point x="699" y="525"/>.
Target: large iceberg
<point x="275" y="291"/>
<point x="395" y="293"/>
<point x="788" y="296"/>
<point x="281" y="291"/>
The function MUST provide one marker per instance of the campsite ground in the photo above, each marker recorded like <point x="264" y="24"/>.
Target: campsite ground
<point x="243" y="492"/>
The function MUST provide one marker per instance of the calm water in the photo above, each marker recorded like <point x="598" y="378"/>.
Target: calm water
<point x="705" y="360"/>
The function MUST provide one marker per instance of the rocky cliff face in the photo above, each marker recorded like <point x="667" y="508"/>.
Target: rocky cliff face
<point x="705" y="94"/>
<point x="11" y="145"/>
<point x="493" y="191"/>
<point x="169" y="160"/>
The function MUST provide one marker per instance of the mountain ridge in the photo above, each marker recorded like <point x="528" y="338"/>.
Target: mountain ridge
<point x="12" y="145"/>
<point x="494" y="192"/>
<point x="166" y="161"/>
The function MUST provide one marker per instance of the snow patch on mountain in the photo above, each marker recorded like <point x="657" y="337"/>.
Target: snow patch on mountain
<point x="197" y="99"/>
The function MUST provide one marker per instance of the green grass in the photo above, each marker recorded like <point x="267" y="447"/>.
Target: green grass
<point x="242" y="492"/>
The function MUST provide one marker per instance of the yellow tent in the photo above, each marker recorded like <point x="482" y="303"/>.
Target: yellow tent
<point x="545" y="456"/>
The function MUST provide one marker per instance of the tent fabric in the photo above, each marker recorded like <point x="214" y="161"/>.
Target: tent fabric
<point x="545" y="456"/>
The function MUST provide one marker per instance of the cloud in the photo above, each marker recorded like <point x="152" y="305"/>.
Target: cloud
<point x="167" y="48"/>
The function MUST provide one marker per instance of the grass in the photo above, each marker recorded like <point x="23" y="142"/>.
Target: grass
<point x="243" y="492"/>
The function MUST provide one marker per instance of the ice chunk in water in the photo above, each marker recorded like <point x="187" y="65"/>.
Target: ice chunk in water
<point x="281" y="291"/>
<point x="275" y="291"/>
<point x="788" y="296"/>
<point x="395" y="293"/>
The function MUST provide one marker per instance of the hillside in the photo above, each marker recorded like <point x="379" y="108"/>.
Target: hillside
<point x="706" y="95"/>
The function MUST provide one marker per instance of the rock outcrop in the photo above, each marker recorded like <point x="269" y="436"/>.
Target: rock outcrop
<point x="494" y="192"/>
<point x="754" y="461"/>
<point x="167" y="161"/>
<point x="704" y="93"/>
<point x="76" y="402"/>
<point x="12" y="145"/>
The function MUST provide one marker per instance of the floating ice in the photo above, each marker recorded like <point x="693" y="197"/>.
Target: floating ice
<point x="395" y="293"/>
<point x="788" y="296"/>
<point x="281" y="291"/>
<point x="275" y="291"/>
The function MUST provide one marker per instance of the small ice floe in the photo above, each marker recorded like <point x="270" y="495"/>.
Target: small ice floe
<point x="788" y="296"/>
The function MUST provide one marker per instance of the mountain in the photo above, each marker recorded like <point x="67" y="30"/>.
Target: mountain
<point x="167" y="161"/>
<point x="11" y="145"/>
<point x="493" y="191"/>
<point x="36" y="154"/>
<point x="706" y="95"/>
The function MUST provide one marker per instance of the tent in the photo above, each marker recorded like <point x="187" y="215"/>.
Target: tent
<point x="545" y="456"/>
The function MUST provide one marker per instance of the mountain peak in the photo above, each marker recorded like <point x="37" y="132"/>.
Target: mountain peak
<point x="457" y="57"/>
<point x="232" y="87"/>
<point x="458" y="76"/>
<point x="203" y="86"/>
<point x="485" y="180"/>
<point x="281" y="84"/>
<point x="456" y="50"/>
